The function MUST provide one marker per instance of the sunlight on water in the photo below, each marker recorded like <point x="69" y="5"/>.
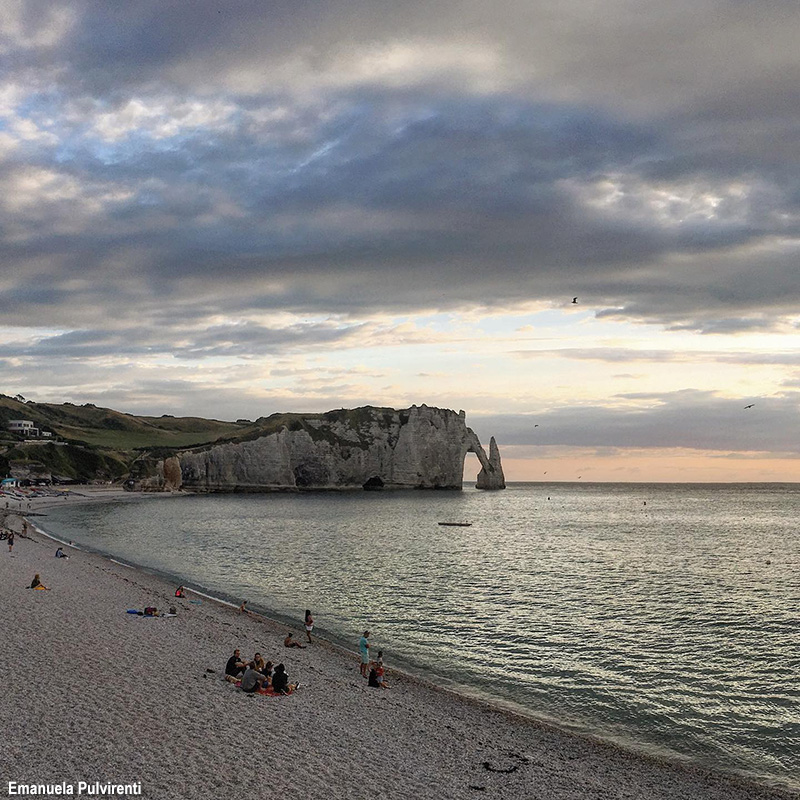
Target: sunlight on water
<point x="644" y="613"/>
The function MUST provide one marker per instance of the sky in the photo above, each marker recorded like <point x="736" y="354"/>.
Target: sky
<point x="235" y="209"/>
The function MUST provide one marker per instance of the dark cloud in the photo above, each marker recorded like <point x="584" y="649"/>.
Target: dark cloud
<point x="169" y="164"/>
<point x="705" y="54"/>
<point x="687" y="419"/>
<point x="246" y="339"/>
<point x="480" y="202"/>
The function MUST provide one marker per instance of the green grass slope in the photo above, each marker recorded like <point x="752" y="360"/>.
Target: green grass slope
<point x="101" y="443"/>
<point x="104" y="427"/>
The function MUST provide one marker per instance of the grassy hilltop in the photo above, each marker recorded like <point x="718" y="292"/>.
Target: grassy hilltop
<point x="102" y="444"/>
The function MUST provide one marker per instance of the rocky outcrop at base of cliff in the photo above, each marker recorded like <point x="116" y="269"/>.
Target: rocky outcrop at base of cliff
<point x="365" y="448"/>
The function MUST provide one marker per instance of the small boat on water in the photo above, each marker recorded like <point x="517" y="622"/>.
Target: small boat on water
<point x="457" y="524"/>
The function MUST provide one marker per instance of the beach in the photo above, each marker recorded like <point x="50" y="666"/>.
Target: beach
<point x="95" y="694"/>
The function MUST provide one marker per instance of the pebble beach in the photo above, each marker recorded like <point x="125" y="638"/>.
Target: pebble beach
<point x="93" y="694"/>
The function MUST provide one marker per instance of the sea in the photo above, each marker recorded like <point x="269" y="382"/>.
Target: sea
<point x="661" y="617"/>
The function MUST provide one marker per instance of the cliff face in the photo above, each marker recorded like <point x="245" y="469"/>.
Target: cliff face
<point x="365" y="448"/>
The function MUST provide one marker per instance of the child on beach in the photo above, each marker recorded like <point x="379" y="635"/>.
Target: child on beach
<point x="60" y="553"/>
<point x="309" y="623"/>
<point x="10" y="540"/>
<point x="380" y="671"/>
<point x="179" y="592"/>
<point x="372" y="680"/>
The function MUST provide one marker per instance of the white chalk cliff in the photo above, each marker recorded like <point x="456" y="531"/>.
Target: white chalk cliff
<point x="364" y="448"/>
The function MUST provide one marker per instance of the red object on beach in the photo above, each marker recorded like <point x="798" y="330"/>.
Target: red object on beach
<point x="268" y="692"/>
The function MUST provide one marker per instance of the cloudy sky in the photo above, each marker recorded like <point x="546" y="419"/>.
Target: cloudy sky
<point x="231" y="209"/>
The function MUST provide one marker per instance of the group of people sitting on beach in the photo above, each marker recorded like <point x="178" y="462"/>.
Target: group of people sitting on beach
<point x="255" y="675"/>
<point x="258" y="674"/>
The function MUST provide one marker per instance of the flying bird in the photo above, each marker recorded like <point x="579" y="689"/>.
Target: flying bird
<point x="750" y="406"/>
<point x="574" y="299"/>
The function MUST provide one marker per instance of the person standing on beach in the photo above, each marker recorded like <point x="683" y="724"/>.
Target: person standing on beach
<point x="10" y="541"/>
<point x="309" y="623"/>
<point x="363" y="646"/>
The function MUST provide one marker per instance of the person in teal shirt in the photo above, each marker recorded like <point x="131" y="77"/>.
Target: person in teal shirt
<point x="363" y="646"/>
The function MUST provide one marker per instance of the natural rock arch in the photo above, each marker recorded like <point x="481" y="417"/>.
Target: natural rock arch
<point x="491" y="475"/>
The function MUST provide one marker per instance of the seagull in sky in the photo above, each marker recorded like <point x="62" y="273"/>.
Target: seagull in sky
<point x="750" y="406"/>
<point x="574" y="299"/>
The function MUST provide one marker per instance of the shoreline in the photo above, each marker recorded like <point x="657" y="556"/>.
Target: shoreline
<point x="527" y="756"/>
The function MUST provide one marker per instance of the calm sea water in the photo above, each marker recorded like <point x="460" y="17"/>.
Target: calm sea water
<point x="664" y="617"/>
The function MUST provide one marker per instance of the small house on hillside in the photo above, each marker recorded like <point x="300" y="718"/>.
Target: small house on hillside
<point x="24" y="426"/>
<point x="27" y="428"/>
